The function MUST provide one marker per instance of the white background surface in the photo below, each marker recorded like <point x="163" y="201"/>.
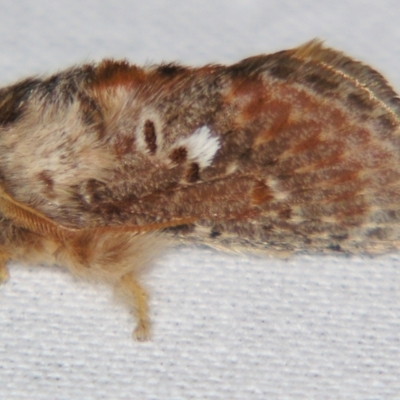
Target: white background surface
<point x="225" y="327"/>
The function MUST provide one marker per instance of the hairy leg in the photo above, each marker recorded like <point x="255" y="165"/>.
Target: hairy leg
<point x="136" y="297"/>
<point x="4" y="257"/>
<point x="118" y="258"/>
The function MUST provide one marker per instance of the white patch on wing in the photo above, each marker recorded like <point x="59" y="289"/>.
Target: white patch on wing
<point x="201" y="146"/>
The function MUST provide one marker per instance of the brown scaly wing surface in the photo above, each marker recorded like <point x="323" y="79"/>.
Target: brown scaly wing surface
<point x="297" y="150"/>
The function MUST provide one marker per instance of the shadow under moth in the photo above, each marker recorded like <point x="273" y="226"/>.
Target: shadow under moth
<point x="103" y="164"/>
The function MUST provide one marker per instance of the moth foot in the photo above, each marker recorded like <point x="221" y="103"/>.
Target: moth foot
<point x="136" y="297"/>
<point x="142" y="331"/>
<point x="4" y="275"/>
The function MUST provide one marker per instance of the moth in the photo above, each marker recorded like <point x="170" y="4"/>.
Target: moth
<point x="104" y="164"/>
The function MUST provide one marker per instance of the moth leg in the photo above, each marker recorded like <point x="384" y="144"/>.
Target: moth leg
<point x="4" y="274"/>
<point x="132" y="291"/>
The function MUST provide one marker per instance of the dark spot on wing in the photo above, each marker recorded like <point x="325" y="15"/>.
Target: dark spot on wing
<point x="215" y="234"/>
<point x="193" y="174"/>
<point x="178" y="155"/>
<point x="335" y="247"/>
<point x="170" y="70"/>
<point x="281" y="71"/>
<point x="181" y="229"/>
<point x="361" y="101"/>
<point x="285" y="213"/>
<point x="149" y="131"/>
<point x="320" y="83"/>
